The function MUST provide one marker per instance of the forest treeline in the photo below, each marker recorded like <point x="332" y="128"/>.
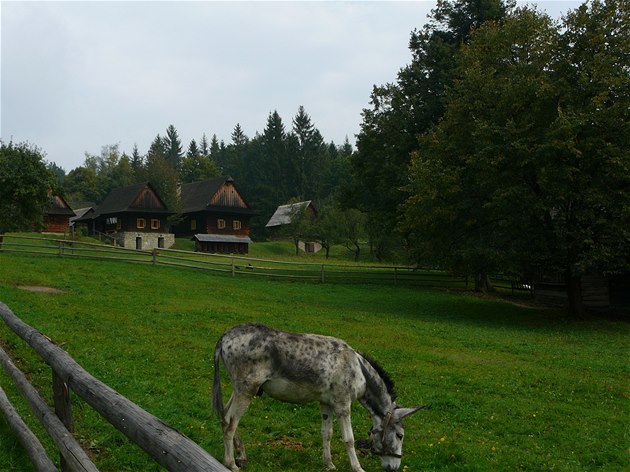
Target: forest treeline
<point x="273" y="167"/>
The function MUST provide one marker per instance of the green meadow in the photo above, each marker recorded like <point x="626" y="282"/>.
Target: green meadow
<point x="507" y="386"/>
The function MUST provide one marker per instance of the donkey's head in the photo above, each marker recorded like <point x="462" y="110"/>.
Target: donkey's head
<point x="387" y="439"/>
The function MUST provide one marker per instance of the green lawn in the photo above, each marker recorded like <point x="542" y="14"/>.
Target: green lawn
<point x="508" y="387"/>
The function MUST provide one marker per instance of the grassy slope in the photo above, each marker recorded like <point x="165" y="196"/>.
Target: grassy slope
<point x="508" y="388"/>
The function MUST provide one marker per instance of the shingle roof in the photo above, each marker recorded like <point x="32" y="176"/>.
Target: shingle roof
<point x="282" y="215"/>
<point x="58" y="206"/>
<point x="197" y="196"/>
<point x="121" y="200"/>
<point x="222" y="238"/>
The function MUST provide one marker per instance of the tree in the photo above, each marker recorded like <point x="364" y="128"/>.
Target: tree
<point x="137" y="161"/>
<point x="307" y="156"/>
<point x="327" y="229"/>
<point x="197" y="168"/>
<point x="193" y="150"/>
<point x="25" y="183"/>
<point x="238" y="136"/>
<point x="399" y="112"/>
<point x="529" y="168"/>
<point x="205" y="148"/>
<point x="173" y="148"/>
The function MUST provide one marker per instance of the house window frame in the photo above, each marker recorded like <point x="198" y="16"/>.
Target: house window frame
<point x="236" y="224"/>
<point x="193" y="224"/>
<point x="141" y="223"/>
<point x="155" y="223"/>
<point x="220" y="223"/>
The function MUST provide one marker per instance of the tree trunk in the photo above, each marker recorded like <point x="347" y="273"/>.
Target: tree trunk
<point x="296" y="241"/>
<point x="574" y="295"/>
<point x="482" y="283"/>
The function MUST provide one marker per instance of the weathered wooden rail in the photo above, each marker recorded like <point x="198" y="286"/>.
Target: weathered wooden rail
<point x="167" y="446"/>
<point x="252" y="267"/>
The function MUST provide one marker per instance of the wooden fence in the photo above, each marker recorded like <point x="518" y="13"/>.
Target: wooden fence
<point x="165" y="445"/>
<point x="252" y="267"/>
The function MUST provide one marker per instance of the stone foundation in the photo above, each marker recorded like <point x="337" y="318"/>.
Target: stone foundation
<point x="145" y="241"/>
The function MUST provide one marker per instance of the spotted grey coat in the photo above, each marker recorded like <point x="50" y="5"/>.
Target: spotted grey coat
<point x="300" y="368"/>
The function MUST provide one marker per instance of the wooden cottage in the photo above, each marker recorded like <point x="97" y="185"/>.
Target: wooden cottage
<point x="215" y="213"/>
<point x="57" y="215"/>
<point x="134" y="217"/>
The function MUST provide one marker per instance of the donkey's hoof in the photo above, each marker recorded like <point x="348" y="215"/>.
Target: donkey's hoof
<point x="240" y="463"/>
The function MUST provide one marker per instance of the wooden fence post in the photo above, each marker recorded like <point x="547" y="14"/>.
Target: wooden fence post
<point x="154" y="255"/>
<point x="233" y="268"/>
<point x="63" y="409"/>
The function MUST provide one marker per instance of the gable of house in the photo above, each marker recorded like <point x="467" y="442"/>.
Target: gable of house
<point x="219" y="194"/>
<point x="57" y="215"/>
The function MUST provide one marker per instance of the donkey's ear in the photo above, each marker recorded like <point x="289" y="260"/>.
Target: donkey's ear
<point x="400" y="413"/>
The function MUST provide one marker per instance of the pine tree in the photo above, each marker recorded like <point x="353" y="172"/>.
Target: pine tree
<point x="205" y="149"/>
<point x="173" y="148"/>
<point x="193" y="150"/>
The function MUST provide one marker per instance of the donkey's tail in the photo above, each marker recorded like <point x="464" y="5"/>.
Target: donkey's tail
<point x="217" y="394"/>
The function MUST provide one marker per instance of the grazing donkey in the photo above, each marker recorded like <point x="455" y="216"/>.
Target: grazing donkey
<point x="300" y="368"/>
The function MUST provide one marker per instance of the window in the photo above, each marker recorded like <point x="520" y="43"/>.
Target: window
<point x="155" y="223"/>
<point x="221" y="224"/>
<point x="193" y="225"/>
<point x="140" y="223"/>
<point x="236" y="224"/>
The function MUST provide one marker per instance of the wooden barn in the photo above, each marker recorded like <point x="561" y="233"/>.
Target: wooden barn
<point x="57" y="215"/>
<point x="283" y="216"/>
<point x="134" y="216"/>
<point x="216" y="214"/>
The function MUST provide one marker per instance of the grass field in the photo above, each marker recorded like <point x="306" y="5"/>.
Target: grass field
<point x="508" y="387"/>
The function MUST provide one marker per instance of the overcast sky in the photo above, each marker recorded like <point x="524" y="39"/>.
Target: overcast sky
<point x="79" y="75"/>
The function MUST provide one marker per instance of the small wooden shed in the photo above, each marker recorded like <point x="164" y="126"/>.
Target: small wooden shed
<point x="57" y="215"/>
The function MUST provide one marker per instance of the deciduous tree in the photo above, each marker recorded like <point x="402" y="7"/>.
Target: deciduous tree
<point x="25" y="183"/>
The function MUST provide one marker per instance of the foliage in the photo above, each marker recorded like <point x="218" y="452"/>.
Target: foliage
<point x="270" y="169"/>
<point x="507" y="387"/>
<point x="529" y="168"/>
<point x="412" y="105"/>
<point x="25" y="183"/>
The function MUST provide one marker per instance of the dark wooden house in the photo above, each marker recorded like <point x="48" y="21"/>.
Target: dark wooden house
<point x="134" y="216"/>
<point x="57" y="215"/>
<point x="215" y="213"/>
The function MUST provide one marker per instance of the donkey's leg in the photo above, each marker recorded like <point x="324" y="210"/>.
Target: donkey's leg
<point x="326" y="413"/>
<point x="347" y="436"/>
<point x="239" y="401"/>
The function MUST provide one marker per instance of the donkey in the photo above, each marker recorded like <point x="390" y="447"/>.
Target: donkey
<point x="301" y="368"/>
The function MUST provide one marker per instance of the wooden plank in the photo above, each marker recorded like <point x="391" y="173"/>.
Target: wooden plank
<point x="76" y="457"/>
<point x="29" y="441"/>
<point x="166" y="445"/>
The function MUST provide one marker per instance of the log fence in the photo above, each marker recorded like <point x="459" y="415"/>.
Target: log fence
<point x="165" y="445"/>
<point x="234" y="265"/>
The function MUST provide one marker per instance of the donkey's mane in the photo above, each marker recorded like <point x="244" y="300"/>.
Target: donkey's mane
<point x="387" y="380"/>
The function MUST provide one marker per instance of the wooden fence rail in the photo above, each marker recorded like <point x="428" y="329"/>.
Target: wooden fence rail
<point x="164" y="444"/>
<point x="250" y="266"/>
